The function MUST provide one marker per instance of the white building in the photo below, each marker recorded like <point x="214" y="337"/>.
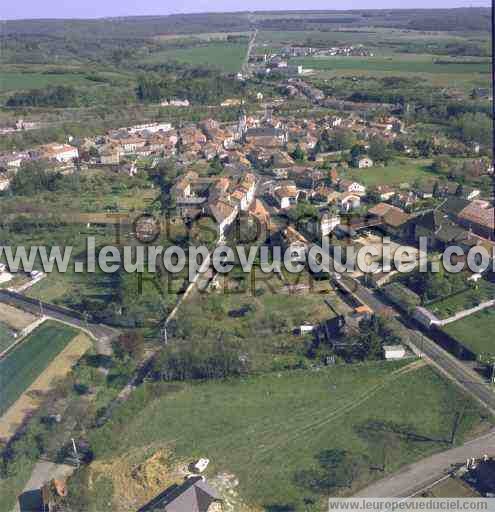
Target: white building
<point x="393" y="352"/>
<point x="150" y="127"/>
<point x="60" y="152"/>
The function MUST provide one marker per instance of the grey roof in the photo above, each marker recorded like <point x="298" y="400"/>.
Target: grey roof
<point x="265" y="131"/>
<point x="194" y="495"/>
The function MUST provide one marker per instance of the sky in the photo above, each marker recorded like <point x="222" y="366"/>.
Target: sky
<point x="22" y="9"/>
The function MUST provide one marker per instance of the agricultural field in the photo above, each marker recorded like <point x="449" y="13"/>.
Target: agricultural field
<point x="56" y="369"/>
<point x="27" y="361"/>
<point x="475" y="332"/>
<point x="223" y="55"/>
<point x="15" y="81"/>
<point x="271" y="431"/>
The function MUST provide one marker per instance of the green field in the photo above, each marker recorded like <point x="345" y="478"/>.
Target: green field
<point x="266" y="429"/>
<point x="14" y="81"/>
<point x="23" y="365"/>
<point x="396" y="63"/>
<point x="475" y="332"/>
<point x="399" y="171"/>
<point x="226" y="56"/>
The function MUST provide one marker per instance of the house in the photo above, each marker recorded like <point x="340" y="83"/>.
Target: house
<point x="259" y="212"/>
<point x="224" y="214"/>
<point x="285" y="196"/>
<point x="393" y="218"/>
<point x="267" y="136"/>
<point x="150" y="128"/>
<point x="362" y="162"/>
<point x="110" y="155"/>
<point x="194" y="495"/>
<point x="349" y="201"/>
<point x="478" y="217"/>
<point x="62" y="153"/>
<point x="352" y="187"/>
<point x="438" y="230"/>
<point x="384" y="192"/>
<point x="324" y="224"/>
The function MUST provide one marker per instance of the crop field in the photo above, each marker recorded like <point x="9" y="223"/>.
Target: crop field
<point x="14" y="81"/>
<point x="475" y="332"/>
<point x="27" y="361"/>
<point x="269" y="430"/>
<point x="396" y="64"/>
<point x="227" y="56"/>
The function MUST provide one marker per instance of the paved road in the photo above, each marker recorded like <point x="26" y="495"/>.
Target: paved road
<point x="101" y="333"/>
<point x="418" y="476"/>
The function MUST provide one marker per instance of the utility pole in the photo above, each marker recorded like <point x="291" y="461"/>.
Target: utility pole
<point x="76" y="455"/>
<point x="164" y="334"/>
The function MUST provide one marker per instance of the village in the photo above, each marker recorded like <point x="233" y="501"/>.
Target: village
<point x="243" y="391"/>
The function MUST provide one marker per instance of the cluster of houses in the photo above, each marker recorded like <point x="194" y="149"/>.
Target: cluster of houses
<point x="308" y="51"/>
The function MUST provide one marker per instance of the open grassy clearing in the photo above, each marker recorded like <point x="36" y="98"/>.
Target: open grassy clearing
<point x="24" y="364"/>
<point x="206" y="36"/>
<point x="401" y="170"/>
<point x="475" y="332"/>
<point x="395" y="64"/>
<point x="226" y="56"/>
<point x="266" y="429"/>
<point x="14" y="81"/>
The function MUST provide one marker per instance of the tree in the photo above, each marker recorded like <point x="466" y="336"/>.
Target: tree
<point x="441" y="164"/>
<point x="336" y="469"/>
<point x="357" y="150"/>
<point x="33" y="177"/>
<point x="379" y="150"/>
<point x="298" y="154"/>
<point x="130" y="344"/>
<point x="475" y="127"/>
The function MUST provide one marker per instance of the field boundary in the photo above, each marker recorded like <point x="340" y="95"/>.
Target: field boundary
<point x="23" y="335"/>
<point x="15" y="415"/>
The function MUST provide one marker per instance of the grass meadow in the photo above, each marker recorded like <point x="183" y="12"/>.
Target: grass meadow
<point x="266" y="429"/>
<point x="475" y="332"/>
<point x="223" y="55"/>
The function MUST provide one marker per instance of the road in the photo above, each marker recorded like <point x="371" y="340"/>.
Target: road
<point x="102" y="334"/>
<point x="418" y="476"/>
<point x="245" y="65"/>
<point x="422" y="345"/>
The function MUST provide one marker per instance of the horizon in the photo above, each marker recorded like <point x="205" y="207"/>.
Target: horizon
<point x="83" y="12"/>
